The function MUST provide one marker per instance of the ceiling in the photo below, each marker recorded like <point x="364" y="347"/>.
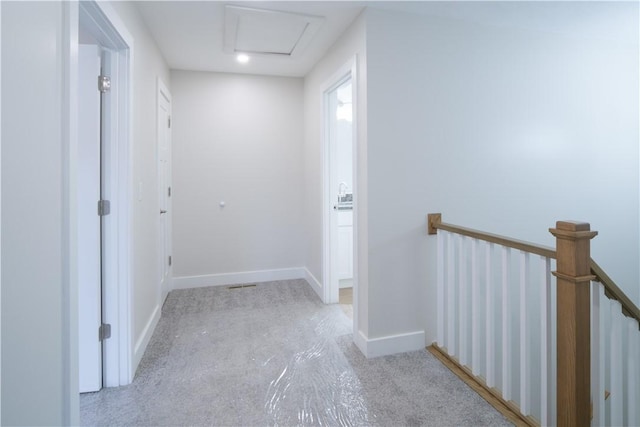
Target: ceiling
<point x="191" y="34"/>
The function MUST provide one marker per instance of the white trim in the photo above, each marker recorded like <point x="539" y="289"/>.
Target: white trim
<point x="360" y="341"/>
<point x="356" y="193"/>
<point x="162" y="88"/>
<point x="69" y="117"/>
<point x="391" y="344"/>
<point x="146" y="335"/>
<point x="345" y="72"/>
<point x="350" y="68"/>
<point x="313" y="282"/>
<point x="221" y="279"/>
<point x="125" y="249"/>
<point x="104" y="16"/>
<point x="1" y="214"/>
<point x="112" y="34"/>
<point x="119" y="351"/>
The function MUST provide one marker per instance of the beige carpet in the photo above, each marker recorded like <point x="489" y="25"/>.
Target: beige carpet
<point x="274" y="354"/>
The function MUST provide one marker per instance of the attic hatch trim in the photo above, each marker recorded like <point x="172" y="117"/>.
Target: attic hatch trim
<point x="233" y="15"/>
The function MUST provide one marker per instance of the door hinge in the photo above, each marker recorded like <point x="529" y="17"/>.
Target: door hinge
<point x="169" y="121"/>
<point x="104" y="207"/>
<point x="169" y="260"/>
<point x="104" y="331"/>
<point x="169" y="191"/>
<point x="104" y="84"/>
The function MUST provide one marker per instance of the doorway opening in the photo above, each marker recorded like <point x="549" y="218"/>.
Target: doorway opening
<point x="103" y="192"/>
<point x="340" y="195"/>
<point x="341" y="118"/>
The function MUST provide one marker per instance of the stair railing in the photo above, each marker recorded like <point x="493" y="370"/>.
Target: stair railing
<point x="544" y="348"/>
<point x="615" y="354"/>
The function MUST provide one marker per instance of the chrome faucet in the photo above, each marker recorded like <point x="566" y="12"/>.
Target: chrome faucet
<point x="342" y="189"/>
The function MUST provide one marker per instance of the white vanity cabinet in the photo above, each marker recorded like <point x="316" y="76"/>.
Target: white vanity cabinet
<point x="345" y="244"/>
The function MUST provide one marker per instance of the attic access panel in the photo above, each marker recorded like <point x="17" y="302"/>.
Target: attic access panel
<point x="268" y="32"/>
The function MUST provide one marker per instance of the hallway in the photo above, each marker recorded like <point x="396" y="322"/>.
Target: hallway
<point x="274" y="354"/>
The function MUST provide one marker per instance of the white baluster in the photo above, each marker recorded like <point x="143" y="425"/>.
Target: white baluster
<point x="552" y="401"/>
<point x="525" y="336"/>
<point x="605" y="351"/>
<point x="616" y="364"/>
<point x="597" y="359"/>
<point x="463" y="297"/>
<point x="635" y="420"/>
<point x="631" y="374"/>
<point x="475" y="310"/>
<point x="441" y="236"/>
<point x="490" y="319"/>
<point x="506" y="327"/>
<point x="545" y="337"/>
<point x="451" y="296"/>
<point x="602" y="362"/>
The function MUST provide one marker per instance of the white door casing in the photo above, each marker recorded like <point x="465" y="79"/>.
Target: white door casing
<point x="106" y="27"/>
<point x="330" y="282"/>
<point x="164" y="188"/>
<point x="89" y="288"/>
<point x="332" y="129"/>
<point x="331" y="290"/>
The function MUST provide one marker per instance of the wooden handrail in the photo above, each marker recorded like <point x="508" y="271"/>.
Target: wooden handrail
<point x="575" y="271"/>
<point x="611" y="290"/>
<point x="435" y="223"/>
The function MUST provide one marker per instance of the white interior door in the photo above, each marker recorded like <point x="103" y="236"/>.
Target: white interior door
<point x="164" y="187"/>
<point x="89" y="271"/>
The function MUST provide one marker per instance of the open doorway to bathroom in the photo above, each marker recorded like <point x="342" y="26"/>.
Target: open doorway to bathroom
<point x="343" y="134"/>
<point x="339" y="139"/>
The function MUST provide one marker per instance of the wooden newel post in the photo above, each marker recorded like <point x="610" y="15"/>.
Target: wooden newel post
<point x="574" y="337"/>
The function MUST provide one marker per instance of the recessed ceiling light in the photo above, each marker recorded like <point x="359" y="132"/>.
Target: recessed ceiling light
<point x="242" y="58"/>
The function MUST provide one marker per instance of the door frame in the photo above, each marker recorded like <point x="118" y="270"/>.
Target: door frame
<point x="101" y="19"/>
<point x="1" y="212"/>
<point x="330" y="285"/>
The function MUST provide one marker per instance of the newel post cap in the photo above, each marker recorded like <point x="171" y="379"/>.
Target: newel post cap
<point x="573" y="230"/>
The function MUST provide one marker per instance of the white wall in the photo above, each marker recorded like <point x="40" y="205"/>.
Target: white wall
<point x="148" y="65"/>
<point x="500" y="129"/>
<point x="237" y="139"/>
<point x="350" y="45"/>
<point x="32" y="286"/>
<point x="35" y="351"/>
<point x="0" y="219"/>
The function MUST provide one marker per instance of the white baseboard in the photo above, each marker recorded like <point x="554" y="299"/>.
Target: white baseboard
<point x="222" y="279"/>
<point x="145" y="337"/>
<point x="360" y="341"/>
<point x="392" y="344"/>
<point x="315" y="284"/>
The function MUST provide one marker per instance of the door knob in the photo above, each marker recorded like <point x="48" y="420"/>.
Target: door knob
<point x="162" y="211"/>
